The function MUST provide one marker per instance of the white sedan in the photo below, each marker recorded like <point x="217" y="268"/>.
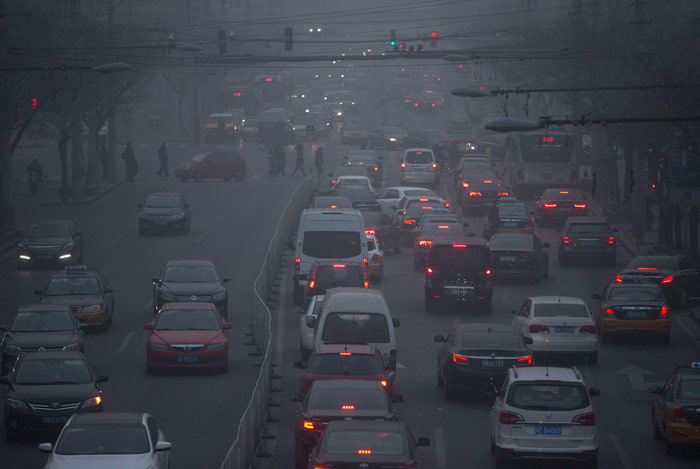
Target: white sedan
<point x="306" y="333"/>
<point x="557" y="324"/>
<point x="389" y="197"/>
<point x="353" y="182"/>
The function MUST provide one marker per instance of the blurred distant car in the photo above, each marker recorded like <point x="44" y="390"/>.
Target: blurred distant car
<point x="380" y="225"/>
<point x="419" y="166"/>
<point x="353" y="182"/>
<point x="326" y="201"/>
<point x="425" y="105"/>
<point x="221" y="126"/>
<point x="352" y="132"/>
<point x="50" y="242"/>
<point x="224" y="165"/>
<point x="556" y="205"/>
<point x="427" y="233"/>
<point x="376" y="259"/>
<point x="190" y="280"/>
<point x="481" y="194"/>
<point x="249" y="130"/>
<point x="459" y="122"/>
<point x="370" y="160"/>
<point x="386" y="137"/>
<point x="424" y="138"/>
<point x="411" y="217"/>
<point x="164" y="211"/>
<point x="304" y="127"/>
<point x="519" y="255"/>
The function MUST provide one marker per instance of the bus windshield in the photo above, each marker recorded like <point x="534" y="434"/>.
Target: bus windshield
<point x="544" y="148"/>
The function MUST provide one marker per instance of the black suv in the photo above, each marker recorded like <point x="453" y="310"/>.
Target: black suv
<point x="190" y="280"/>
<point x="678" y="276"/>
<point x="458" y="270"/>
<point x="50" y="242"/>
<point x="585" y="238"/>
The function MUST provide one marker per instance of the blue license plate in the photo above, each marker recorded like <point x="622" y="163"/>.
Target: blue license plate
<point x="509" y="224"/>
<point x="547" y="430"/>
<point x="44" y="257"/>
<point x="61" y="419"/>
<point x="636" y="315"/>
<point x="187" y="359"/>
<point x="492" y="363"/>
<point x="507" y="258"/>
<point x="565" y="209"/>
<point x="589" y="243"/>
<point x="564" y="330"/>
<point x="161" y="222"/>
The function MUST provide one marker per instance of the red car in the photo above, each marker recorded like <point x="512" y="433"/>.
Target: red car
<point x="556" y="205"/>
<point x="224" y="165"/>
<point x="187" y="335"/>
<point x="344" y="361"/>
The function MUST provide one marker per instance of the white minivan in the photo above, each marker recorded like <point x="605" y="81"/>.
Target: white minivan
<point x="419" y="167"/>
<point x="357" y="315"/>
<point x="327" y="234"/>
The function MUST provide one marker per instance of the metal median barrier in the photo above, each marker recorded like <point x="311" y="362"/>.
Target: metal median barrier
<point x="242" y="453"/>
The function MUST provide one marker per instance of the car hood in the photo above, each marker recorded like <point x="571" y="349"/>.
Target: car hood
<point x="72" y="300"/>
<point x="42" y="339"/>
<point x="46" y="241"/>
<point x="161" y="210"/>
<point x="50" y="392"/>
<point x="192" y="288"/>
<point x="103" y="461"/>
<point x="189" y="337"/>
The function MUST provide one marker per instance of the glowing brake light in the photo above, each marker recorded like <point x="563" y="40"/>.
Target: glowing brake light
<point x="348" y="407"/>
<point x="430" y="270"/>
<point x="475" y="194"/>
<point x="268" y="79"/>
<point x="312" y="284"/>
<point x="334" y="206"/>
<point x="427" y="208"/>
<point x="364" y="451"/>
<point x="609" y="311"/>
<point x="434" y="165"/>
<point x="664" y="311"/>
<point x="550" y="205"/>
<point x="579" y="205"/>
<point x="366" y="284"/>
<point x="423" y="200"/>
<point x="443" y="227"/>
<point x="668" y="279"/>
<point x="370" y="232"/>
<point x="403" y="165"/>
<point x="565" y="239"/>
<point x="502" y="194"/>
<point x="488" y="271"/>
<point x="460" y="360"/>
<point x="459" y="245"/>
<point x="308" y="425"/>
<point x="237" y="93"/>
<point x="465" y="184"/>
<point x="563" y="192"/>
<point x="488" y="181"/>
<point x="611" y="240"/>
<point x="525" y="360"/>
<point x="618" y="279"/>
<point x="419" y="153"/>
<point x="409" y="222"/>
<point x="384" y="383"/>
<point x="345" y="354"/>
<point x="424" y="242"/>
<point x="339" y="266"/>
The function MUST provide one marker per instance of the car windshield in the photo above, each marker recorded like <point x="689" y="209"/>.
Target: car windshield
<point x="689" y="388"/>
<point x="417" y="210"/>
<point x="419" y="157"/>
<point x="163" y="201"/>
<point x="43" y="321"/>
<point x="348" y="399"/>
<point x="377" y="443"/>
<point x="493" y="340"/>
<point x="52" y="371"/>
<point x="48" y="230"/>
<point x="201" y="157"/>
<point x="513" y="211"/>
<point x="635" y="293"/>
<point x="547" y="396"/>
<point x="190" y="273"/>
<point x="589" y="228"/>
<point x="332" y="244"/>
<point x="516" y="243"/>
<point x="73" y="286"/>
<point x="350" y="364"/>
<point x="339" y="275"/>
<point x="103" y="439"/>
<point x="453" y="260"/>
<point x="356" y="327"/>
<point x="569" y="310"/>
<point x="187" y="320"/>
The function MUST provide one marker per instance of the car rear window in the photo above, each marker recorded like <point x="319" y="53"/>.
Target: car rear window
<point x="339" y="275"/>
<point x="635" y="293"/>
<point x="419" y="157"/>
<point x="356" y="327"/>
<point x="569" y="194"/>
<point x="451" y="260"/>
<point x="659" y="262"/>
<point x="442" y="228"/>
<point x="550" y="310"/>
<point x="350" y="442"/>
<point x="689" y="388"/>
<point x="418" y="192"/>
<point x="350" y="365"/>
<point x="589" y="228"/>
<point x="415" y="211"/>
<point x="73" y="286"/>
<point x="43" y="321"/>
<point x="343" y="399"/>
<point x="513" y="210"/>
<point x="103" y="440"/>
<point x="518" y="243"/>
<point x="547" y="396"/>
<point x="495" y="340"/>
<point x="332" y="244"/>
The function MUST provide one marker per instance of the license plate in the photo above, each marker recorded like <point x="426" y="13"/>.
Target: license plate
<point x="546" y="176"/>
<point x="636" y="315"/>
<point x="564" y="330"/>
<point x="187" y="359"/>
<point x="417" y="170"/>
<point x="161" y="222"/>
<point x="589" y="243"/>
<point x="547" y="430"/>
<point x="565" y="209"/>
<point x="507" y="258"/>
<point x="509" y="224"/>
<point x="62" y="419"/>
<point x="492" y="363"/>
<point x="44" y="257"/>
<point x="460" y="291"/>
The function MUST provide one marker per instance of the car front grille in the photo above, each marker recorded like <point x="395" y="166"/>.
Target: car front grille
<point x="54" y="407"/>
<point x="44" y="249"/>
<point x="187" y="348"/>
<point x="190" y="298"/>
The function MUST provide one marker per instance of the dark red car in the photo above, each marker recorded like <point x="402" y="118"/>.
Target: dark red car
<point x="224" y="165"/>
<point x="556" y="205"/>
<point x="344" y="361"/>
<point x="187" y="335"/>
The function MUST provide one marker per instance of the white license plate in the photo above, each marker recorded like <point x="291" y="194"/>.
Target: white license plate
<point x="507" y="258"/>
<point x="492" y="363"/>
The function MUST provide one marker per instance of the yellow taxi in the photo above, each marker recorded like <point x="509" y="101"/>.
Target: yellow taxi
<point x="513" y="217"/>
<point x="675" y="413"/>
<point x="376" y="259"/>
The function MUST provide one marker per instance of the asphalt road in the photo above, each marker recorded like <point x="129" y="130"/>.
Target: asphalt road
<point x="460" y="430"/>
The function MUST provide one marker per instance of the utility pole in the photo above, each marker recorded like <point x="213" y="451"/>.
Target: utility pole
<point x="6" y="202"/>
<point x="77" y="163"/>
<point x="111" y="120"/>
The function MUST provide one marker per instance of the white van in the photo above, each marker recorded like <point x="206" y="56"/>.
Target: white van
<point x="419" y="167"/>
<point x="357" y="315"/>
<point x="327" y="234"/>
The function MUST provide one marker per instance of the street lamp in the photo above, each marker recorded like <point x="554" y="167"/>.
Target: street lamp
<point x="193" y="48"/>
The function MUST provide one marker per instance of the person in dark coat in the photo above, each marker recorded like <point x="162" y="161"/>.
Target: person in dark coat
<point x="280" y="158"/>
<point x="163" y="158"/>
<point x="130" y="160"/>
<point x="300" y="159"/>
<point x="318" y="160"/>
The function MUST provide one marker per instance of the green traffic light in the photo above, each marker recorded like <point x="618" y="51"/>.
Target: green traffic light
<point x="392" y="43"/>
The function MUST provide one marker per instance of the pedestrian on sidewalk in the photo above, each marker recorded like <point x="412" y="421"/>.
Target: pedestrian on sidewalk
<point x="129" y="158"/>
<point x="163" y="158"/>
<point x="318" y="161"/>
<point x="300" y="159"/>
<point x="280" y="158"/>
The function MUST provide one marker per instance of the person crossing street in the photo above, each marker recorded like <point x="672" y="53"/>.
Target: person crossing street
<point x="300" y="159"/>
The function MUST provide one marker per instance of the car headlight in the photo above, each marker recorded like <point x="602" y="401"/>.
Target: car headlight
<point x="92" y="308"/>
<point x="12" y="349"/>
<point x="167" y="296"/>
<point x="219" y="296"/>
<point x="67" y="247"/>
<point x="177" y="216"/>
<point x="16" y="404"/>
<point x="216" y="346"/>
<point x="157" y="346"/>
<point x="392" y="139"/>
<point x="340" y="113"/>
<point x="92" y="402"/>
<point x="75" y="346"/>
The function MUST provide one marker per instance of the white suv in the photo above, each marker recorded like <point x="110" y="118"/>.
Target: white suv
<point x="544" y="413"/>
<point x="419" y="167"/>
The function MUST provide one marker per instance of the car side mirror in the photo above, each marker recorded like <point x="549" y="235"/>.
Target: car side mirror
<point x="4" y="380"/>
<point x="596" y="296"/>
<point x="163" y="446"/>
<point x="395" y="322"/>
<point x="45" y="447"/>
<point x="148" y="326"/>
<point x="155" y="280"/>
<point x="656" y="390"/>
<point x="226" y="326"/>
<point x="310" y="321"/>
<point x="423" y="441"/>
<point x="546" y="245"/>
<point x="439" y="338"/>
<point x="397" y="398"/>
<point x="513" y="311"/>
<point x="528" y="340"/>
<point x="109" y="290"/>
<point x="593" y="392"/>
<point x="38" y="292"/>
<point x="101" y="378"/>
<point x="295" y="398"/>
<point x="299" y="365"/>
<point x="226" y="280"/>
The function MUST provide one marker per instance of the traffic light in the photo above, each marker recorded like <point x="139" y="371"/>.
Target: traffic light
<point x="392" y="37"/>
<point x="222" y="42"/>
<point x="34" y="104"/>
<point x="288" y="40"/>
<point x="433" y="39"/>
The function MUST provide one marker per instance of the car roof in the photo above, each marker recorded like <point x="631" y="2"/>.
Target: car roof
<point x="37" y="308"/>
<point x="189" y="305"/>
<point x="546" y="373"/>
<point x="75" y="273"/>
<point x="556" y="299"/>
<point x="107" y="418"/>
<point x="416" y="149"/>
<point x="360" y="349"/>
<point x="346" y="384"/>
<point x="367" y="425"/>
<point x="651" y="261"/>
<point x="200" y="262"/>
<point x="53" y="354"/>
<point x="355" y="300"/>
<point x="347" y="263"/>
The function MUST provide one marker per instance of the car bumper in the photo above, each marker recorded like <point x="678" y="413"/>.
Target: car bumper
<point x="514" y="272"/>
<point x="614" y="325"/>
<point x="566" y="454"/>
<point x="584" y="252"/>
<point x="92" y="319"/>
<point x="683" y="433"/>
<point x="475" y="295"/>
<point x="557" y="215"/>
<point x="202" y="359"/>
<point x="30" y="420"/>
<point x="466" y="378"/>
<point x="162" y="224"/>
<point x="424" y="178"/>
<point x="542" y="344"/>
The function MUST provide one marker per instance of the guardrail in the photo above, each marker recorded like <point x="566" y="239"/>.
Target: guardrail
<point x="241" y="454"/>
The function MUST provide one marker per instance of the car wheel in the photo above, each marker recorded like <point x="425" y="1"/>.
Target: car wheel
<point x="197" y="176"/>
<point x="240" y="175"/>
<point x="657" y="433"/>
<point x="593" y="358"/>
<point x="448" y="392"/>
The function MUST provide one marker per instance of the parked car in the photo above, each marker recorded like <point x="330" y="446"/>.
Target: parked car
<point x="216" y="164"/>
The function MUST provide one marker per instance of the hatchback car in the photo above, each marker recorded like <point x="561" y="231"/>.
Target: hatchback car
<point x="459" y="123"/>
<point x="481" y="194"/>
<point x="39" y="327"/>
<point x="386" y="232"/>
<point x="556" y="205"/>
<point x="544" y="413"/>
<point x="187" y="335"/>
<point x="50" y="242"/>
<point x="326" y="274"/>
<point x="678" y="276"/>
<point x="557" y="324"/>
<point x="109" y="439"/>
<point x="419" y="166"/>
<point x="587" y="238"/>
<point x="426" y="233"/>
<point x="190" y="280"/>
<point x="164" y="211"/>
<point x="224" y="165"/>
<point x="519" y="255"/>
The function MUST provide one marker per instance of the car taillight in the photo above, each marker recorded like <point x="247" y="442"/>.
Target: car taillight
<point x="384" y="383"/>
<point x="525" y="361"/>
<point x="424" y="242"/>
<point x="668" y="279"/>
<point x="579" y="205"/>
<point x="538" y="328"/>
<point x="459" y="360"/>
<point x="475" y="194"/>
<point x="366" y="284"/>
<point x="591" y="329"/>
<point x="507" y="417"/>
<point x="565" y="239"/>
<point x="297" y="265"/>
<point x="502" y="194"/>
<point x="664" y="311"/>
<point x="370" y="232"/>
<point x="550" y="205"/>
<point x="429" y="270"/>
<point x="609" y="311"/>
<point x="312" y="284"/>
<point x="465" y="184"/>
<point x="488" y="272"/>
<point x="403" y="165"/>
<point x="611" y="240"/>
<point x="409" y="222"/>
<point x="309" y="425"/>
<point x="618" y="278"/>
<point x="333" y="181"/>
<point x="434" y="165"/>
<point x="587" y="419"/>
<point x="679" y="415"/>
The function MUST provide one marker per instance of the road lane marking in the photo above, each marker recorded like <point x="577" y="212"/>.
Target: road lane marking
<point x="117" y="239"/>
<point x="200" y="237"/>
<point x="440" y="447"/>
<point x="636" y="377"/>
<point x="620" y="450"/>
<point x="125" y="342"/>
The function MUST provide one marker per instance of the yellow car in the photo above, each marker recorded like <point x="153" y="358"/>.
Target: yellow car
<point x="675" y="414"/>
<point x="376" y="259"/>
<point x="513" y="217"/>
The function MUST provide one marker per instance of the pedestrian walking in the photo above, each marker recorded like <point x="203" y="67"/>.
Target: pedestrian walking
<point x="130" y="160"/>
<point x="280" y="158"/>
<point x="318" y="161"/>
<point x="300" y="159"/>
<point x="163" y="158"/>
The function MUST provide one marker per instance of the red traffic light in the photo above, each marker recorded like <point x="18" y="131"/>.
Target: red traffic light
<point x="34" y="103"/>
<point x="433" y="34"/>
